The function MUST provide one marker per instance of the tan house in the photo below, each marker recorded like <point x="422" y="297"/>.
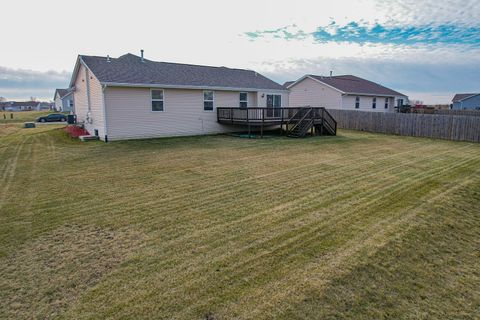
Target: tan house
<point x="343" y="92"/>
<point x="130" y="97"/>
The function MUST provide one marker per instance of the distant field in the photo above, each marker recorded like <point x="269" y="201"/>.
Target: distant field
<point x="22" y="116"/>
<point x="358" y="226"/>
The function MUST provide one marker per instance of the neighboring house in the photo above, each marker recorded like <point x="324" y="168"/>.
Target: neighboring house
<point x="63" y="100"/>
<point x="21" y="105"/>
<point x="343" y="92"/>
<point x="131" y="97"/>
<point x="43" y="106"/>
<point x="464" y="101"/>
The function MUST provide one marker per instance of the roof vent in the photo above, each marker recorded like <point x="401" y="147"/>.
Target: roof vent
<point x="108" y="58"/>
<point x="141" y="54"/>
<point x="331" y="73"/>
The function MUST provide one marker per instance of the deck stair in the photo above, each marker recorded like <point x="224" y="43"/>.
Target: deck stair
<point x="302" y="122"/>
<point x="296" y="121"/>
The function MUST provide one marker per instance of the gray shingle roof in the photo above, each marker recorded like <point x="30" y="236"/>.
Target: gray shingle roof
<point x="353" y="84"/>
<point x="461" y="96"/>
<point x="286" y="84"/>
<point x="61" y="92"/>
<point x="129" y="69"/>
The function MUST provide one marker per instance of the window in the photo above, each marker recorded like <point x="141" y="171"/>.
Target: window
<point x="70" y="103"/>
<point x="386" y="103"/>
<point x="374" y="103"/>
<point x="399" y="102"/>
<point x="157" y="100"/>
<point x="208" y="100"/>
<point x="357" y="102"/>
<point x="243" y="99"/>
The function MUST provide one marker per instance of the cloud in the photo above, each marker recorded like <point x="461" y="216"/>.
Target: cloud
<point x="361" y="32"/>
<point x="433" y="82"/>
<point x="22" y="84"/>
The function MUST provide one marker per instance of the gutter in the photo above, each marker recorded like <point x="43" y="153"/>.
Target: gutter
<point x="104" y="109"/>
<point x="169" y="86"/>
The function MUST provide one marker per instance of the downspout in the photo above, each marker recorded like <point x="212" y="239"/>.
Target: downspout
<point x="104" y="107"/>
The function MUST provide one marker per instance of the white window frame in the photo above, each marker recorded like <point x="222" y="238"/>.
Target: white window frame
<point x="151" y="99"/>
<point x="212" y="101"/>
<point x="240" y="100"/>
<point x="387" y="103"/>
<point x="357" y="98"/>
<point x="374" y="103"/>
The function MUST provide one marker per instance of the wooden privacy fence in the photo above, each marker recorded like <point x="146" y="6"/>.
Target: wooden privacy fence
<point x="451" y="127"/>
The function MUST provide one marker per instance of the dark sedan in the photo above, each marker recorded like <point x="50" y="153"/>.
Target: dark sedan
<point x="53" y="117"/>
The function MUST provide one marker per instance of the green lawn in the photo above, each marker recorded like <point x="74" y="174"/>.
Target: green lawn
<point x="359" y="226"/>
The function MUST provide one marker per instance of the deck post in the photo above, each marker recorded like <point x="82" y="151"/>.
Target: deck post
<point x="323" y="117"/>
<point x="263" y="120"/>
<point x="312" y="113"/>
<point x="281" y="121"/>
<point x="248" y="122"/>
<point x="231" y="114"/>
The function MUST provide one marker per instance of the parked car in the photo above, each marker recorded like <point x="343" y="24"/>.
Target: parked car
<point x="53" y="117"/>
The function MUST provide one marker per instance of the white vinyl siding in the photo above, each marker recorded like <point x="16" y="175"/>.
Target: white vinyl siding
<point x="309" y="92"/>
<point x="364" y="103"/>
<point x="81" y="97"/>
<point x="129" y="113"/>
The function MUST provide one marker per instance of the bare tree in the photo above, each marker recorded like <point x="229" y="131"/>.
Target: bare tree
<point x="3" y="99"/>
<point x="33" y="99"/>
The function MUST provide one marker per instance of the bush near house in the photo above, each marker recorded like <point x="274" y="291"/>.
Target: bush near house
<point x="356" y="226"/>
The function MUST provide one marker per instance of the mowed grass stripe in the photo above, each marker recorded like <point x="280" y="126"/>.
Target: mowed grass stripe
<point x="315" y="195"/>
<point x="236" y="267"/>
<point x="140" y="192"/>
<point x="292" y="235"/>
<point x="211" y="193"/>
<point x="372" y="240"/>
<point x="301" y="240"/>
<point x="212" y="235"/>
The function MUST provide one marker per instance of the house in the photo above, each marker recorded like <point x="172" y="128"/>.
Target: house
<point x="63" y="100"/>
<point x="131" y="97"/>
<point x="44" y="106"/>
<point x="21" y="105"/>
<point x="343" y="92"/>
<point x="464" y="101"/>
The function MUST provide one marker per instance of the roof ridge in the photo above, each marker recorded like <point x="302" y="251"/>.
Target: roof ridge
<point x="168" y="62"/>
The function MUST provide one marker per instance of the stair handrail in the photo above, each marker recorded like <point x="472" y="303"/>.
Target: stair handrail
<point x="329" y="118"/>
<point x="295" y="114"/>
<point x="301" y="119"/>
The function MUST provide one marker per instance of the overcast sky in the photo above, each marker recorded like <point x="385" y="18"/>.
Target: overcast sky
<point x="427" y="49"/>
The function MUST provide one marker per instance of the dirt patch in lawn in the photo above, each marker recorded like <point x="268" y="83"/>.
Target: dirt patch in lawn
<point x="46" y="276"/>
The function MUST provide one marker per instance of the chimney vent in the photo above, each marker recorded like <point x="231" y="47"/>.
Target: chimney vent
<point x="331" y="73"/>
<point x="108" y="58"/>
<point x="141" y="54"/>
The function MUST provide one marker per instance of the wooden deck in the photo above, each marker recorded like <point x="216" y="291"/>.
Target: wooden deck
<point x="290" y="117"/>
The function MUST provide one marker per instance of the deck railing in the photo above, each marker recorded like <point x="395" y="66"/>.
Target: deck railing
<point x="257" y="114"/>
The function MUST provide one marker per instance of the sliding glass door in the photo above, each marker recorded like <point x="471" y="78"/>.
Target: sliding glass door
<point x="274" y="103"/>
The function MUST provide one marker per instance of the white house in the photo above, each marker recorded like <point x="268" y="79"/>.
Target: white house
<point x="131" y="97"/>
<point x="63" y="100"/>
<point x="343" y="92"/>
